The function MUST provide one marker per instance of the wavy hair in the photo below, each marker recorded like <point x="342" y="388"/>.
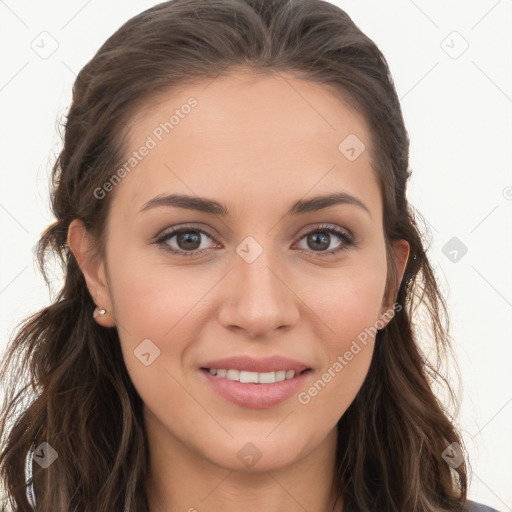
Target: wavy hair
<point x="65" y="378"/>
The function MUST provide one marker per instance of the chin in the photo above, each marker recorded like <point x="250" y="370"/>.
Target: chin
<point x="256" y="454"/>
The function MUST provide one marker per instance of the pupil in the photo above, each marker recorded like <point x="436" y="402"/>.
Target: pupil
<point x="316" y="237"/>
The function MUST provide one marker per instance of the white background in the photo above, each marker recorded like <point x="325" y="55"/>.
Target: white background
<point x="457" y="108"/>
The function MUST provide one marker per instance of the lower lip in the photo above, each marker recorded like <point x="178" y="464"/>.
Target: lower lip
<point x="256" y="396"/>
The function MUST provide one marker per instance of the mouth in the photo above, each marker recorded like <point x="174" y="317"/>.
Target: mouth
<point x="255" y="390"/>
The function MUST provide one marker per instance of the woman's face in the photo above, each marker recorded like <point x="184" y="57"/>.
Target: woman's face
<point x="258" y="272"/>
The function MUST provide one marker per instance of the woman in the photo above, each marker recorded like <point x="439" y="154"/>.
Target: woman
<point x="242" y="278"/>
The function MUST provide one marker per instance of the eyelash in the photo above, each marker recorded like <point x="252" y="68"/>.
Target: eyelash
<point x="324" y="228"/>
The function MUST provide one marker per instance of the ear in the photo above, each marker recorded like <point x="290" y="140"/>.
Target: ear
<point x="400" y="252"/>
<point x="93" y="269"/>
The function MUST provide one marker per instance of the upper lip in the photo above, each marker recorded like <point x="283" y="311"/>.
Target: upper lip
<point x="249" y="364"/>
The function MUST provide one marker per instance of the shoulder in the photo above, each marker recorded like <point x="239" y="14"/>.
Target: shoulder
<point x="472" y="506"/>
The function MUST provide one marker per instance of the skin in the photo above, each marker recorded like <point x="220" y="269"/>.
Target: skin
<point x="256" y="143"/>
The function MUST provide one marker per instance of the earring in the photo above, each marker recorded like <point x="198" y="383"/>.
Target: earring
<point x="99" y="312"/>
<point x="384" y="320"/>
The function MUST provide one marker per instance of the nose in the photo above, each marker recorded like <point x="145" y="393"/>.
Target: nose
<point x="258" y="298"/>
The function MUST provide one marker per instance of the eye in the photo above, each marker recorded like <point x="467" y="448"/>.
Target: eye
<point x="320" y="238"/>
<point x="188" y="241"/>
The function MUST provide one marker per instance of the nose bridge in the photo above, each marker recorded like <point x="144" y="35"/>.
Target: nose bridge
<point x="259" y="301"/>
<point x="254" y="268"/>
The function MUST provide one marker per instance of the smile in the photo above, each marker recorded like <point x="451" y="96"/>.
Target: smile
<point x="255" y="390"/>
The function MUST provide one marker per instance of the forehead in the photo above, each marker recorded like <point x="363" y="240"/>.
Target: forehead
<point x="243" y="136"/>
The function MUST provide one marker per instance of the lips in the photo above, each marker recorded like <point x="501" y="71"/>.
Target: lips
<point x="256" y="396"/>
<point x="282" y="378"/>
<point x="264" y="365"/>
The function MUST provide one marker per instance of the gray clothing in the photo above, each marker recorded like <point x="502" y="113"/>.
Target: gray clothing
<point x="477" y="507"/>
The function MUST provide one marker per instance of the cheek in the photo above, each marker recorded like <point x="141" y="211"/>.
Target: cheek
<point x="348" y="303"/>
<point x="159" y="304"/>
<point x="165" y="305"/>
<point x="348" y="343"/>
<point x="348" y="299"/>
<point x="152" y="298"/>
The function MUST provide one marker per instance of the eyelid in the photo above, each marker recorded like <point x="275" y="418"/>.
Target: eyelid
<point x="179" y="227"/>
<point x="325" y="226"/>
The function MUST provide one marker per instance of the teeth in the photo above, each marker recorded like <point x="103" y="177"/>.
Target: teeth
<point x="280" y="375"/>
<point x="233" y="375"/>
<point x="249" y="377"/>
<point x="267" y="378"/>
<point x="253" y="377"/>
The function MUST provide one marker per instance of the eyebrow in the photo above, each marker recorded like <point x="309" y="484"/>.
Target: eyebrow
<point x="214" y="207"/>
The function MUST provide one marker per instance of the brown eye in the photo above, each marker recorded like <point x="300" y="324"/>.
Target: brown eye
<point x="320" y="239"/>
<point x="187" y="241"/>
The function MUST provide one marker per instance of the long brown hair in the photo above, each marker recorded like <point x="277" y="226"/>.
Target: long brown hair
<point x="65" y="376"/>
